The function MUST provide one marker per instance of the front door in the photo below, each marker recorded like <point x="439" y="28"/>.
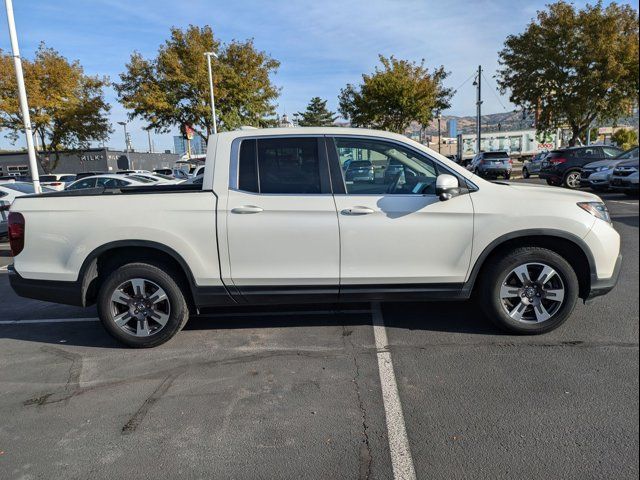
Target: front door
<point x="395" y="233"/>
<point x="282" y="226"/>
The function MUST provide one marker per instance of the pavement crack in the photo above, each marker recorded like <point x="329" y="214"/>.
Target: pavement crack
<point x="365" y="458"/>
<point x="137" y="418"/>
<point x="72" y="384"/>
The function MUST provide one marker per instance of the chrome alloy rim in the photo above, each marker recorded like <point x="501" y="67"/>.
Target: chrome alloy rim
<point x="532" y="293"/>
<point x="573" y="180"/>
<point x="140" y="307"/>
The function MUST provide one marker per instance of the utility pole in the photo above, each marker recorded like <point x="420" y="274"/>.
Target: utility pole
<point x="22" y="94"/>
<point x="150" y="143"/>
<point x="478" y="83"/>
<point x="213" y="101"/>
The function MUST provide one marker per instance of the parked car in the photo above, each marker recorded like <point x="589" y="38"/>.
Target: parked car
<point x="9" y="191"/>
<point x="164" y="171"/>
<point x="597" y="175"/>
<point x="89" y="174"/>
<point x="492" y="165"/>
<point x="105" y="181"/>
<point x="360" y="171"/>
<point x="57" y="181"/>
<point x="625" y="177"/>
<point x="129" y="172"/>
<point x="276" y="222"/>
<point x="532" y="167"/>
<point x="393" y="170"/>
<point x="563" y="167"/>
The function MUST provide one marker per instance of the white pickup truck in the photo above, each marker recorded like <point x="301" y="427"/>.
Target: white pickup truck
<point x="274" y="221"/>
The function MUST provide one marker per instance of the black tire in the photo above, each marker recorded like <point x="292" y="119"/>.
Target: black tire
<point x="178" y="310"/>
<point x="525" y="172"/>
<point x="507" y="176"/>
<point x="568" y="180"/>
<point x="488" y="293"/>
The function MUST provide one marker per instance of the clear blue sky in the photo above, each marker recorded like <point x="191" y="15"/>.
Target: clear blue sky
<point x="322" y="45"/>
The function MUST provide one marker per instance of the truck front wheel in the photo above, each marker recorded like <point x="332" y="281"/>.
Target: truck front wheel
<point x="530" y="290"/>
<point x="141" y="305"/>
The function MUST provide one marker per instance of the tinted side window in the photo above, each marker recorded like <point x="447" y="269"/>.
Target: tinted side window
<point x="80" y="184"/>
<point x="288" y="165"/>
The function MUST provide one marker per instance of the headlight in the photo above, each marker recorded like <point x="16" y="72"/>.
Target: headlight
<point x="603" y="169"/>
<point x="597" y="209"/>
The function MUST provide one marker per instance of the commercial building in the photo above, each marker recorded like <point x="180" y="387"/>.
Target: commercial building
<point x="91" y="160"/>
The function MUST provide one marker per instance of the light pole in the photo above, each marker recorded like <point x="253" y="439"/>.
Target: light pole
<point x="213" y="101"/>
<point x="22" y="95"/>
<point x="439" y="131"/>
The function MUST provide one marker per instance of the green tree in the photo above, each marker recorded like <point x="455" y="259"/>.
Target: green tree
<point x="67" y="107"/>
<point x="625" y="138"/>
<point x="317" y="114"/>
<point x="396" y="94"/>
<point x="173" y="88"/>
<point x="574" y="66"/>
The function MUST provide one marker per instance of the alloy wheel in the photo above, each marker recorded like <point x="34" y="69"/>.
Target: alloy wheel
<point x="140" y="307"/>
<point x="532" y="293"/>
<point x="573" y="180"/>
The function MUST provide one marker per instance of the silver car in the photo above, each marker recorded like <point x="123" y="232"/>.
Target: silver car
<point x="597" y="175"/>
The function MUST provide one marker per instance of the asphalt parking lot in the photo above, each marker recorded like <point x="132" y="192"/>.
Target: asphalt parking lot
<point x="307" y="393"/>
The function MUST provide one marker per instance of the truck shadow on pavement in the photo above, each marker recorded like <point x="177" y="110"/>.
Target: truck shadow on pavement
<point x="451" y="317"/>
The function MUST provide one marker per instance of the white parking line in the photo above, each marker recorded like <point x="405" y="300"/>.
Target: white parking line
<point x="216" y="315"/>
<point x="401" y="460"/>
<point x="4" y="268"/>
<point x="623" y="202"/>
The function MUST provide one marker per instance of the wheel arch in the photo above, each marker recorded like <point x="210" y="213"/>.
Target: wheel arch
<point x="569" y="246"/>
<point x="106" y="258"/>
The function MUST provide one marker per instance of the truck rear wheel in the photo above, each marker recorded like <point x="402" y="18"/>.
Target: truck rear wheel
<point x="141" y="305"/>
<point x="531" y="290"/>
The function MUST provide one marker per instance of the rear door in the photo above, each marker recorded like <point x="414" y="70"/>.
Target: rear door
<point x="282" y="227"/>
<point x="395" y="233"/>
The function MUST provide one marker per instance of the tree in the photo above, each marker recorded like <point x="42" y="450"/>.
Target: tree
<point x="396" y="94"/>
<point x="625" y="138"/>
<point x="317" y="114"/>
<point x="574" y="66"/>
<point x="67" y="107"/>
<point x="173" y="88"/>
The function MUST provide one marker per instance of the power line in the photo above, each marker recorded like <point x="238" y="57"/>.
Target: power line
<point x="494" y="90"/>
<point x="463" y="83"/>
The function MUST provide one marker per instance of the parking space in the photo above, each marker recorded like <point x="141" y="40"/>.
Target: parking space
<point x="297" y="393"/>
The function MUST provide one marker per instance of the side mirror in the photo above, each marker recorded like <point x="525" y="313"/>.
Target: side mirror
<point x="447" y="187"/>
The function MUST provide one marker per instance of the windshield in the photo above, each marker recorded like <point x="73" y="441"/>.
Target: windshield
<point x="48" y="178"/>
<point x="24" y="187"/>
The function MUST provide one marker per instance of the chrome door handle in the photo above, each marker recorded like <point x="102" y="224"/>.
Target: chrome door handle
<point x="357" y="211"/>
<point x="246" y="209"/>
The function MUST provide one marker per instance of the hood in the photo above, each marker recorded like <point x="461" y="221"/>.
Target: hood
<point x="629" y="163"/>
<point x="532" y="189"/>
<point x="602" y="163"/>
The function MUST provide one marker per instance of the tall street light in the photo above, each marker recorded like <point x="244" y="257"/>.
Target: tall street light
<point x="22" y="95"/>
<point x="213" y="101"/>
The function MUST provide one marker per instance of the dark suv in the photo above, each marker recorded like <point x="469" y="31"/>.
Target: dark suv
<point x="564" y="167"/>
